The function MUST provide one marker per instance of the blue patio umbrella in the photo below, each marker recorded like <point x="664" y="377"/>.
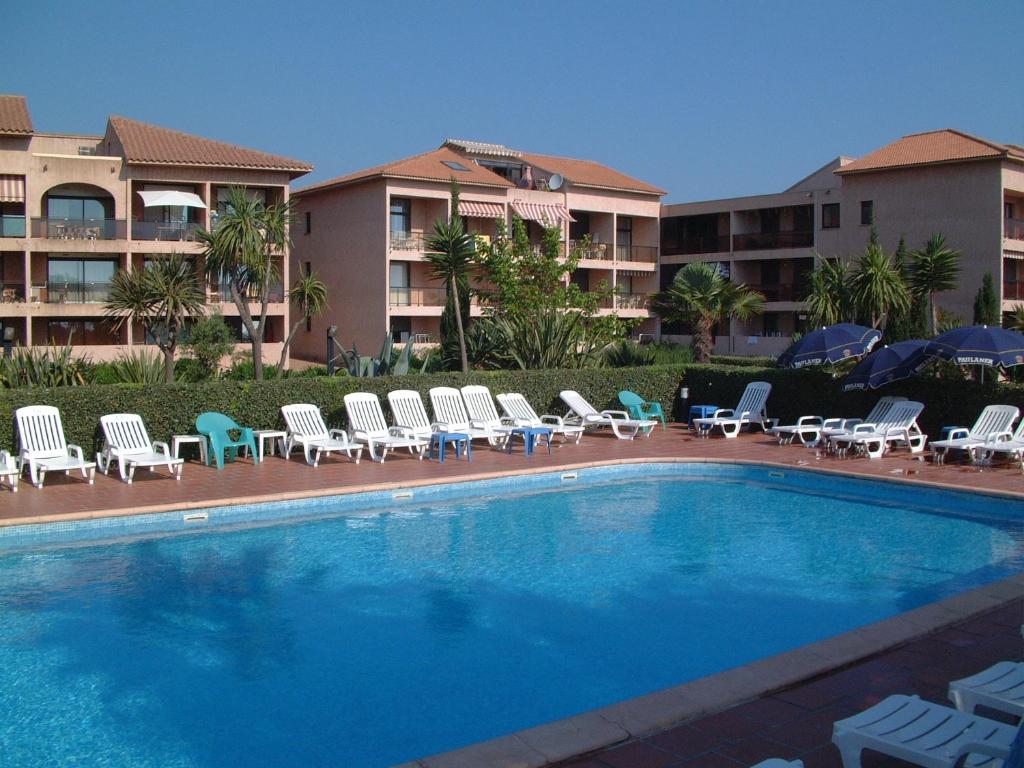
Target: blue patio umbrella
<point x="979" y="345"/>
<point x="829" y="345"/>
<point x="894" y="362"/>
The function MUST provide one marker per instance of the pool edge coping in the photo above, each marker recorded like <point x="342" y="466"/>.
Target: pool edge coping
<point x="596" y="729"/>
<point x="346" y="490"/>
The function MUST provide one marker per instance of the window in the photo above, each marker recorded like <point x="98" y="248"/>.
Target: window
<point x="309" y="222"/>
<point x="224" y="193"/>
<point x="400" y="292"/>
<point x="79" y="208"/>
<point x="62" y="332"/>
<point x="455" y="166"/>
<point x="867" y="213"/>
<point x="401" y="329"/>
<point x="1008" y="210"/>
<point x="624" y="230"/>
<point x="829" y="215"/>
<point x="401" y="219"/>
<point x="79" y="281"/>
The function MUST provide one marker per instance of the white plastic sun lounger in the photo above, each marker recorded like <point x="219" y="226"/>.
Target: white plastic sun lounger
<point x="813" y="430"/>
<point x="583" y="414"/>
<point x="899" y="427"/>
<point x="306" y="427"/>
<point x="9" y="469"/>
<point x="999" y="687"/>
<point x="844" y="426"/>
<point x="922" y="733"/>
<point x="994" y="420"/>
<point x="451" y="414"/>
<point x="518" y="408"/>
<point x="367" y="425"/>
<point x="43" y="447"/>
<point x="127" y="442"/>
<point x="408" y="411"/>
<point x="752" y="409"/>
<point x="1010" y="446"/>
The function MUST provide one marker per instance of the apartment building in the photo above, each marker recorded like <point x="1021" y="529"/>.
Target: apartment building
<point x="75" y="209"/>
<point x="969" y="189"/>
<point x="365" y="234"/>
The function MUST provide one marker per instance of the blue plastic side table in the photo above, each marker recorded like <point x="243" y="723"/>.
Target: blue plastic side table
<point x="530" y="435"/>
<point x="701" y="412"/>
<point x="460" y="440"/>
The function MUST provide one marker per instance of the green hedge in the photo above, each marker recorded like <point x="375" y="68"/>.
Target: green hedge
<point x="171" y="409"/>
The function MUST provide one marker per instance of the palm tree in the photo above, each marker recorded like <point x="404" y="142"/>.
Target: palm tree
<point x="242" y="250"/>
<point x="830" y="299"/>
<point x="1015" y="319"/>
<point x="934" y="269"/>
<point x="451" y="260"/>
<point x="700" y="296"/>
<point x="309" y="296"/>
<point x="878" y="287"/>
<point x="160" y="297"/>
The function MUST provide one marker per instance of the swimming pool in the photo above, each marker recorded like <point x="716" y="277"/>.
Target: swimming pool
<point x="383" y="628"/>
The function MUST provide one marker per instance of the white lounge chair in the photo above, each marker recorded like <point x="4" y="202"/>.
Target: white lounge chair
<point x="1008" y="445"/>
<point x="126" y="440"/>
<point x="899" y="427"/>
<point x="518" y="408"/>
<point x="994" y="420"/>
<point x="451" y="414"/>
<point x="306" y="427"/>
<point x="367" y="425"/>
<point x="815" y="430"/>
<point x="42" y="447"/>
<point x="999" y="687"/>
<point x="408" y="411"/>
<point x="9" y="469"/>
<point x="581" y="413"/>
<point x="922" y="733"/>
<point x="751" y="409"/>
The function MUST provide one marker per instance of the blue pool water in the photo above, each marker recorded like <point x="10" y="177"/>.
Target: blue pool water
<point x="398" y="628"/>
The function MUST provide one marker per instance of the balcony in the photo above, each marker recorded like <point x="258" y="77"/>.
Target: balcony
<point x="1013" y="290"/>
<point x="632" y="300"/>
<point x="222" y="293"/>
<point x="692" y="245"/>
<point x="1013" y="229"/>
<point x="409" y="241"/>
<point x="768" y="240"/>
<point x="416" y="297"/>
<point x="80" y="229"/>
<point x="60" y="292"/>
<point x="12" y="226"/>
<point x="596" y="251"/>
<point x="780" y="291"/>
<point x="12" y="293"/>
<point x="640" y="253"/>
<point x="164" y="230"/>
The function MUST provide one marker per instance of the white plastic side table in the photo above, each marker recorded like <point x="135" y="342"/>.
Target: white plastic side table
<point x="272" y="435"/>
<point x="178" y="440"/>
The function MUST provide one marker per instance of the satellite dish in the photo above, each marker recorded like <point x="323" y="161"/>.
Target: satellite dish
<point x="556" y="181"/>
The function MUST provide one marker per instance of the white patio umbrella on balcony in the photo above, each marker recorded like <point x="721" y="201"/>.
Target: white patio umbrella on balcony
<point x="171" y="197"/>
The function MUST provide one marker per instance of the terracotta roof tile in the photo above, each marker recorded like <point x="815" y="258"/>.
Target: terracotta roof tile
<point x="146" y="144"/>
<point x="587" y="173"/>
<point x="14" y="117"/>
<point x="934" y="147"/>
<point x="429" y="166"/>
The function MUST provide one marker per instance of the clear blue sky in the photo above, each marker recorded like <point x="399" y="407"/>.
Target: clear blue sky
<point x="705" y="99"/>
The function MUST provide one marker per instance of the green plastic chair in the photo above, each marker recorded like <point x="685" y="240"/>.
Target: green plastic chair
<point x="215" y="426"/>
<point x="641" y="409"/>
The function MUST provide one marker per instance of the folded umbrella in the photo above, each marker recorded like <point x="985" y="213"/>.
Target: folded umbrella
<point x="829" y="345"/>
<point x="894" y="362"/>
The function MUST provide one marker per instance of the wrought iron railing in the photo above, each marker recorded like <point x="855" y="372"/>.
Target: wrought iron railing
<point x="164" y="230"/>
<point x="79" y="229"/>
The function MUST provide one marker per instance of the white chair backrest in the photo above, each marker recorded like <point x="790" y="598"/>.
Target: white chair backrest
<point x="754" y="398"/>
<point x="882" y="408"/>
<point x="305" y="420"/>
<point x="126" y="432"/>
<point x="449" y="407"/>
<point x="576" y="402"/>
<point x="40" y="431"/>
<point x="365" y="413"/>
<point x="479" y="404"/>
<point x="903" y="414"/>
<point x="517" y="406"/>
<point x="407" y="409"/>
<point x="994" y="419"/>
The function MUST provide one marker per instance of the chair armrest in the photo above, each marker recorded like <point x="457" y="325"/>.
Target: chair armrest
<point x="615" y="414"/>
<point x="1000" y="437"/>
<point x="511" y="421"/>
<point x="399" y="431"/>
<point x="159" y="446"/>
<point x="77" y="450"/>
<point x="834" y="423"/>
<point x="440" y="426"/>
<point x="335" y="434"/>
<point x="361" y="434"/>
<point x="479" y="424"/>
<point x="849" y="424"/>
<point x="815" y="420"/>
<point x="958" y="432"/>
<point x="547" y="418"/>
<point x="724" y="413"/>
<point x="247" y="434"/>
<point x="864" y="427"/>
<point x="979" y="748"/>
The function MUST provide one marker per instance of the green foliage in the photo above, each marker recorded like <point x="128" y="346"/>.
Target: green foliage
<point x="139" y="367"/>
<point x="901" y="323"/>
<point x="385" y="364"/>
<point x="308" y="295"/>
<point x="209" y="341"/>
<point x="666" y="353"/>
<point x="877" y="286"/>
<point x="451" y="251"/>
<point x="700" y="297"/>
<point x="947" y="321"/>
<point x="986" y="303"/>
<point x="830" y="296"/>
<point x="550" y="339"/>
<point x="629" y="354"/>
<point x="1015" y="319"/>
<point x="43" y="367"/>
<point x="934" y="269"/>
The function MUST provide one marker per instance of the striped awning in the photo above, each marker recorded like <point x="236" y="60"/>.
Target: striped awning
<point x="481" y="210"/>
<point x="12" y="189"/>
<point x="544" y="213"/>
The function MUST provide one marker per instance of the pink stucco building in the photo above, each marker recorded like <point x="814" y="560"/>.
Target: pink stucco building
<point x="364" y="234"/>
<point x="75" y="209"/>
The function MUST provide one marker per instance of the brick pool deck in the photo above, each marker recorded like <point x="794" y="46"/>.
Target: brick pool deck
<point x="790" y="720"/>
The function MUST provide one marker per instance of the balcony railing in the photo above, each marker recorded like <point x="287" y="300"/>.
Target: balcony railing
<point x="222" y="293"/>
<point x="61" y="292"/>
<point x="80" y="229"/>
<point x="780" y="291"/>
<point x="11" y="293"/>
<point x="164" y="230"/>
<point x="12" y="226"/>
<point x="766" y="240"/>
<point x="691" y="245"/>
<point x="1013" y="289"/>
<point x="1014" y="228"/>
<point x="644" y="253"/>
<point x="416" y="297"/>
<point x="598" y="251"/>
<point x="632" y="300"/>
<point x="409" y="241"/>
